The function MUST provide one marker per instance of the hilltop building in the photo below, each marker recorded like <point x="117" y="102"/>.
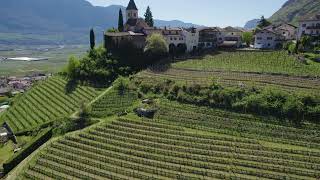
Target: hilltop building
<point x="136" y="31"/>
<point x="133" y="31"/>
<point x="273" y="36"/>
<point x="309" y="26"/>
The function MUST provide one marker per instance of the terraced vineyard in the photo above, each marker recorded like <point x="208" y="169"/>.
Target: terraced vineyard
<point x="225" y="78"/>
<point x="242" y="125"/>
<point x="113" y="103"/>
<point x="144" y="149"/>
<point x="278" y="62"/>
<point x="46" y="102"/>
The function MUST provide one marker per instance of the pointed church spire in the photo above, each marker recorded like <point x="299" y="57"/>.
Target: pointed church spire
<point x="132" y="5"/>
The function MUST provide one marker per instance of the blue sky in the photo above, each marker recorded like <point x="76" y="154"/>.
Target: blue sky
<point x="204" y="12"/>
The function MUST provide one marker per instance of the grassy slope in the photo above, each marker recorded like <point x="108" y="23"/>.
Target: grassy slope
<point x="264" y="62"/>
<point x="295" y="9"/>
<point x="132" y="147"/>
<point x="46" y="102"/>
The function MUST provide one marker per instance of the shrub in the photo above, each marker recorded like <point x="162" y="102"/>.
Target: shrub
<point x="40" y="139"/>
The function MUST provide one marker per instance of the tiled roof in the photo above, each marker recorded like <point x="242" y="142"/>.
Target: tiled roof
<point x="132" y="5"/>
<point x="134" y="22"/>
<point x="231" y="29"/>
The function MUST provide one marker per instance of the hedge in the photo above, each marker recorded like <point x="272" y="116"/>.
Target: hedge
<point x="40" y="139"/>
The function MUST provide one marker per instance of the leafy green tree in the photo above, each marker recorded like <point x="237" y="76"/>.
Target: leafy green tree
<point x="72" y="68"/>
<point x="156" y="45"/>
<point x="305" y="42"/>
<point x="148" y="17"/>
<point x="112" y="30"/>
<point x="120" y="21"/>
<point x="263" y="22"/>
<point x="92" y="39"/>
<point x="247" y="37"/>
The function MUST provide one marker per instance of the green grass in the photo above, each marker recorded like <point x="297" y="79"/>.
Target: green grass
<point x="46" y="102"/>
<point x="58" y="58"/>
<point x="142" y="149"/>
<point x="6" y="151"/>
<point x="113" y="103"/>
<point x="261" y="62"/>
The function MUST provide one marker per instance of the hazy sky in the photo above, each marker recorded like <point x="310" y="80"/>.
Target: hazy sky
<point x="204" y="12"/>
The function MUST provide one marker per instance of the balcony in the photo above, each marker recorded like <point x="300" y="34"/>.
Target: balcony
<point x="313" y="27"/>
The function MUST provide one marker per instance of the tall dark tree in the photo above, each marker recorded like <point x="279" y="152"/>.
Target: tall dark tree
<point x="92" y="39"/>
<point x="148" y="17"/>
<point x="120" y="21"/>
<point x="263" y="22"/>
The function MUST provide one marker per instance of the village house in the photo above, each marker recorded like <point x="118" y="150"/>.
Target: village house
<point x="232" y="37"/>
<point x="191" y="39"/>
<point x="174" y="37"/>
<point x="210" y="37"/>
<point x="273" y="36"/>
<point x="309" y="26"/>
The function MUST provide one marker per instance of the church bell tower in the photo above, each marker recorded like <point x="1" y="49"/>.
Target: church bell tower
<point x="132" y="10"/>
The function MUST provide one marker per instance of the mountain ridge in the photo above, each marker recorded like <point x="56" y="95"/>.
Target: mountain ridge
<point x="69" y="19"/>
<point x="293" y="10"/>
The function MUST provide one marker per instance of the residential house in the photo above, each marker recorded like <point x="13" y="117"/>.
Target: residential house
<point x="4" y="91"/>
<point x="231" y="37"/>
<point x="268" y="39"/>
<point x="273" y="36"/>
<point x="191" y="39"/>
<point x="210" y="37"/>
<point x="175" y="37"/>
<point x="309" y="26"/>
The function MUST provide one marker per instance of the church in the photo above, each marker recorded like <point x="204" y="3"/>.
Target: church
<point x="134" y="31"/>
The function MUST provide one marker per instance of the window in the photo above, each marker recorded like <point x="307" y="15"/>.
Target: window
<point x="128" y="14"/>
<point x="269" y="44"/>
<point x="283" y="32"/>
<point x="304" y="25"/>
<point x="318" y="24"/>
<point x="269" y="38"/>
<point x="175" y="39"/>
<point x="259" y="38"/>
<point x="171" y="38"/>
<point x="303" y="32"/>
<point x="135" y="14"/>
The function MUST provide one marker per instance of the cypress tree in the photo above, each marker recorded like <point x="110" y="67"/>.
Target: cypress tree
<point x="92" y="39"/>
<point x="148" y="17"/>
<point x="120" y="21"/>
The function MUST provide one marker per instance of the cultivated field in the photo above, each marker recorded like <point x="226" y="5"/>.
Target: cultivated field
<point x="262" y="62"/>
<point x="185" y="141"/>
<point x="46" y="102"/>
<point x="113" y="103"/>
<point x="144" y="149"/>
<point x="57" y="59"/>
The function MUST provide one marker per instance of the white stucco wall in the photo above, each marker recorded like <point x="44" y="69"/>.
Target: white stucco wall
<point x="303" y="28"/>
<point x="262" y="41"/>
<point x="191" y="40"/>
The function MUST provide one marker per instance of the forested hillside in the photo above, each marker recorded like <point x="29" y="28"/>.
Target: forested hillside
<point x="293" y="10"/>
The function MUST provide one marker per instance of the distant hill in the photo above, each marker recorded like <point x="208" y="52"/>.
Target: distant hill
<point x="251" y="24"/>
<point x="57" y="21"/>
<point x="293" y="10"/>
